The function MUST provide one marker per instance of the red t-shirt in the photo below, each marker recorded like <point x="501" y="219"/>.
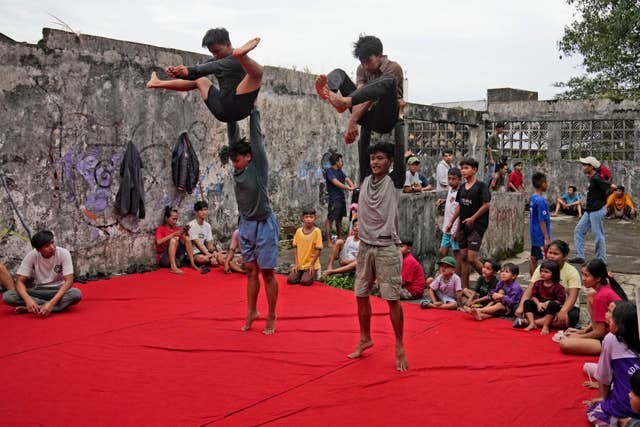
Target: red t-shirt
<point x="516" y="179"/>
<point x="413" y="274"/>
<point x="601" y="301"/>
<point x="162" y="231"/>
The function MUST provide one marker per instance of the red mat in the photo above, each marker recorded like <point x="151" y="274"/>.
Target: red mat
<point x="159" y="349"/>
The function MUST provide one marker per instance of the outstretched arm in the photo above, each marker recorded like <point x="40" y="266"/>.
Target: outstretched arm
<point x="258" y="153"/>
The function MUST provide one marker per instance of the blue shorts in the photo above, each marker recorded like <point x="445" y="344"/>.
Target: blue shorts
<point x="449" y="242"/>
<point x="259" y="241"/>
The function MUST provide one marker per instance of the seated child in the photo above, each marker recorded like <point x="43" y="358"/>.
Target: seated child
<point x="346" y="252"/>
<point x="620" y="206"/>
<point x="479" y="296"/>
<point x="446" y="290"/>
<point x="634" y="401"/>
<point x="504" y="298"/>
<point x="231" y="263"/>
<point x="547" y="297"/>
<point x="569" y="203"/>
<point x="618" y="360"/>
<point x="412" y="273"/>
<point x="307" y="244"/>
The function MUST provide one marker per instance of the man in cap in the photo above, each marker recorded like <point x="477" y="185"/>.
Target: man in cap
<point x="594" y="212"/>
<point x="413" y="182"/>
<point x="52" y="272"/>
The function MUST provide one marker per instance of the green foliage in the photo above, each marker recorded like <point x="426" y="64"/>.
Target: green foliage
<point x="606" y="33"/>
<point x="340" y="281"/>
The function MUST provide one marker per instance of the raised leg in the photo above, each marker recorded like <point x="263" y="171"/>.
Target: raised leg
<point x="253" y="79"/>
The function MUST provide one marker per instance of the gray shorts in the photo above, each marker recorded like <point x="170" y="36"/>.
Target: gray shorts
<point x="381" y="264"/>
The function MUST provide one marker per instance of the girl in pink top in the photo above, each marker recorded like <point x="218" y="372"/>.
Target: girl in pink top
<point x="588" y="341"/>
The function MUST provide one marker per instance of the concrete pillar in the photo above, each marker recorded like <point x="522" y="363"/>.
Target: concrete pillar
<point x="554" y="141"/>
<point x="478" y="147"/>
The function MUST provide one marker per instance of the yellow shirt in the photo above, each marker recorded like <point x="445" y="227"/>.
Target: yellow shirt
<point x="306" y="246"/>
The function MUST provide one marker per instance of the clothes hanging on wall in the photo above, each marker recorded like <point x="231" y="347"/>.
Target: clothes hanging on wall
<point x="185" y="167"/>
<point x="130" y="197"/>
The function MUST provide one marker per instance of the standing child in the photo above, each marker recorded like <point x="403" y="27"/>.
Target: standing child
<point x="473" y="210"/>
<point x="547" y="298"/>
<point x="540" y="221"/>
<point x="618" y="360"/>
<point x="412" y="273"/>
<point x="516" y="179"/>
<point x="307" y="244"/>
<point x="445" y="291"/>
<point x="504" y="297"/>
<point x="479" y="296"/>
<point x="450" y="206"/>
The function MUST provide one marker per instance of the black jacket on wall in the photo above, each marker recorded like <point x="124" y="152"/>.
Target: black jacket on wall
<point x="185" y="167"/>
<point x="130" y="197"/>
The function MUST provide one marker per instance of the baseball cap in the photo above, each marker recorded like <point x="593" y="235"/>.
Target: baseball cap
<point x="590" y="160"/>
<point x="448" y="260"/>
<point x="413" y="161"/>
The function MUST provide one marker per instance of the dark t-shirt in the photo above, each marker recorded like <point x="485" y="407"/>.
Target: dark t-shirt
<point x="227" y="70"/>
<point x="471" y="200"/>
<point x="335" y="194"/>
<point x="483" y="286"/>
<point x="597" y="193"/>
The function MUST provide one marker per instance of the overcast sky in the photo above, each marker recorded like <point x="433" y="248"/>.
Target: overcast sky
<point x="451" y="50"/>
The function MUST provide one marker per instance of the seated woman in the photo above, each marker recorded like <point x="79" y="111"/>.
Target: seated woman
<point x="588" y="341"/>
<point x="618" y="361"/>
<point x="172" y="243"/>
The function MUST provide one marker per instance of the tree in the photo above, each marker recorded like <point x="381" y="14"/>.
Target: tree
<point x="607" y="35"/>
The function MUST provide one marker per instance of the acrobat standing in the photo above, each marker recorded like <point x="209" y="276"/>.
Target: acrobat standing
<point x="375" y="100"/>
<point x="239" y="77"/>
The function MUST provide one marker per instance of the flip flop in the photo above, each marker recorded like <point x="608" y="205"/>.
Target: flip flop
<point x="520" y="323"/>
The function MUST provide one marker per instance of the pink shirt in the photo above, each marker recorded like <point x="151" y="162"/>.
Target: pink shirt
<point x="413" y="275"/>
<point x="601" y="301"/>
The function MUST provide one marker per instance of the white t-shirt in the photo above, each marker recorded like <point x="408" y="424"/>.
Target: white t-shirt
<point x="199" y="232"/>
<point x="47" y="272"/>
<point x="442" y="175"/>
<point x="411" y="179"/>
<point x="449" y="209"/>
<point x="350" y="249"/>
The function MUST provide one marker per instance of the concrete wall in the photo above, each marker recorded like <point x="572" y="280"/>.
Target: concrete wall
<point x="70" y="105"/>
<point x="503" y="238"/>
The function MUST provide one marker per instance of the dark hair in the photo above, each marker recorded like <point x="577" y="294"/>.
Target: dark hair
<point x="514" y="269"/>
<point x="573" y="187"/>
<point x="41" y="238"/>
<point x="516" y="164"/>
<point x="407" y="242"/>
<point x="333" y="159"/>
<point x="625" y="316"/>
<point x="504" y="158"/>
<point x="199" y="205"/>
<point x="354" y="220"/>
<point x="454" y="171"/>
<point x="635" y="383"/>
<point x="500" y="166"/>
<point x="355" y="195"/>
<point x="620" y="187"/>
<point x="216" y="36"/>
<point x="553" y="267"/>
<point x="597" y="268"/>
<point x="562" y="245"/>
<point x="495" y="266"/>
<point x="469" y="161"/>
<point x="499" y="125"/>
<point x="168" y="210"/>
<point x="537" y="179"/>
<point x="385" y="148"/>
<point x="308" y="211"/>
<point x="447" y="151"/>
<point x="239" y="148"/>
<point x="367" y="46"/>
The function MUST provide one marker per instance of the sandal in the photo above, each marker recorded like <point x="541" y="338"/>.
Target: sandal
<point x="520" y="323"/>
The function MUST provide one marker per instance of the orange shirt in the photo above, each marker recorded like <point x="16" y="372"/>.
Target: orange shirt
<point x="619" y="202"/>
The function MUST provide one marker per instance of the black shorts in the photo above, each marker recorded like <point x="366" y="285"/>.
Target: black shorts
<point x="336" y="210"/>
<point x="231" y="108"/>
<point x="536" y="252"/>
<point x="469" y="237"/>
<point x="181" y="254"/>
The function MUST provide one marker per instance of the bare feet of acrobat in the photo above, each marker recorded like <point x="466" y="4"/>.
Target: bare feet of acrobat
<point x="153" y="81"/>
<point x="251" y="316"/>
<point x="321" y="86"/>
<point x="246" y="48"/>
<point x="362" y="346"/>
<point x="336" y="101"/>
<point x="401" y="358"/>
<point x="270" y="326"/>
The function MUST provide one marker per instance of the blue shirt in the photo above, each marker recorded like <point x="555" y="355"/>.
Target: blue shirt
<point x="335" y="194"/>
<point x="569" y="199"/>
<point x="539" y="212"/>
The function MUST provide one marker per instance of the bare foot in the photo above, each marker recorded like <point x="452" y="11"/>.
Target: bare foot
<point x="477" y="314"/>
<point x="591" y="384"/>
<point x="153" y="81"/>
<point x="531" y="327"/>
<point x="554" y="214"/>
<point x="545" y="330"/>
<point x="195" y="267"/>
<point x="246" y="48"/>
<point x="362" y="346"/>
<point x="321" y="87"/>
<point x="401" y="359"/>
<point x="337" y="102"/>
<point x="176" y="271"/>
<point x="251" y="316"/>
<point x="270" y="326"/>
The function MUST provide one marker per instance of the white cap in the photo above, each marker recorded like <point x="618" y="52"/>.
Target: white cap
<point x="590" y="161"/>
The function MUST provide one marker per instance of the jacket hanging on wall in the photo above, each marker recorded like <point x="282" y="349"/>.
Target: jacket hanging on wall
<point x="185" y="167"/>
<point x="130" y="197"/>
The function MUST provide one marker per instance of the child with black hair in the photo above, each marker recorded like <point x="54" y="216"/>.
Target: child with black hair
<point x="479" y="296"/>
<point x="515" y="182"/>
<point x="307" y="244"/>
<point x="618" y="360"/>
<point x="539" y="222"/>
<point x="504" y="297"/>
<point x="588" y="340"/>
<point x="634" y="401"/>
<point x="239" y="78"/>
<point x="547" y="298"/>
